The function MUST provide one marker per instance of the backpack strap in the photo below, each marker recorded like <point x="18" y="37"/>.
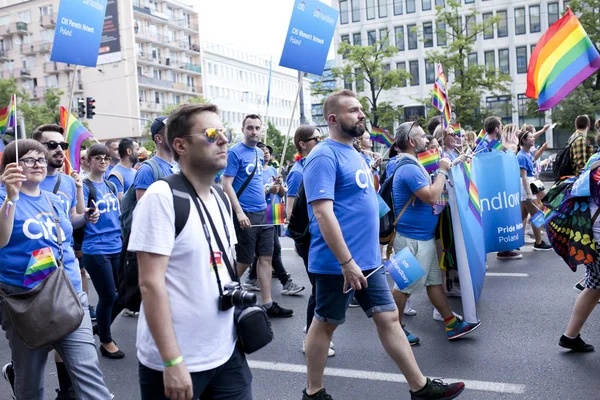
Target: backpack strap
<point x="156" y="171"/>
<point x="181" y="201"/>
<point x="57" y="185"/>
<point x="92" y="194"/>
<point x="111" y="186"/>
<point x="595" y="217"/>
<point x="119" y="177"/>
<point x="223" y="197"/>
<point x="411" y="200"/>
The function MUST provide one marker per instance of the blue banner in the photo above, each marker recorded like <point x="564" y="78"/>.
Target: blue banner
<point x="78" y="32"/>
<point x="499" y="183"/>
<point x="404" y="268"/>
<point x="309" y="36"/>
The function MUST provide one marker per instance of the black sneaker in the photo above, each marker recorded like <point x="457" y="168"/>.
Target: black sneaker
<point x="576" y="345"/>
<point x="436" y="389"/>
<point x="275" y="311"/>
<point x="320" y="395"/>
<point x="543" y="246"/>
<point x="578" y="287"/>
<point x="8" y="372"/>
<point x="68" y="395"/>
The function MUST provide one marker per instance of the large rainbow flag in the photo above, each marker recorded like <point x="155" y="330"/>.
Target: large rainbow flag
<point x="75" y="135"/>
<point x="41" y="264"/>
<point x="381" y="136"/>
<point x="563" y="58"/>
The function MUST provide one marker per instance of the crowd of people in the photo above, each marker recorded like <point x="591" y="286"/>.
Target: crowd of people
<point x="203" y="237"/>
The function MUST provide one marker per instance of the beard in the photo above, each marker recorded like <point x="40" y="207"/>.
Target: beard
<point x="55" y="163"/>
<point x="420" y="149"/>
<point x="352" y="130"/>
<point x="133" y="159"/>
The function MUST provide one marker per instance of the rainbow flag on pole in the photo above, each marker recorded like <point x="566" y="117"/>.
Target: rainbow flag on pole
<point x="563" y="58"/>
<point x="457" y="129"/>
<point x="7" y="115"/>
<point x="496" y="145"/>
<point x="381" y="136"/>
<point x="75" y="135"/>
<point x="440" y="96"/>
<point x="430" y="160"/>
<point x="41" y="264"/>
<point x="275" y="214"/>
<point x="480" y="137"/>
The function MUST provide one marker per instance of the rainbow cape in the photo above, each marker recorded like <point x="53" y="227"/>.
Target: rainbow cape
<point x="276" y="214"/>
<point x="474" y="204"/>
<point x="430" y="160"/>
<point x="381" y="136"/>
<point x="75" y="135"/>
<point x="496" y="145"/>
<point x="563" y="58"/>
<point x="41" y="264"/>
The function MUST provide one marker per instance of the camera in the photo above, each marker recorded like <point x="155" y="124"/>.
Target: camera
<point x="234" y="295"/>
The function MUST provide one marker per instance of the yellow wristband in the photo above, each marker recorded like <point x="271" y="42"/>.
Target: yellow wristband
<point x="174" y="362"/>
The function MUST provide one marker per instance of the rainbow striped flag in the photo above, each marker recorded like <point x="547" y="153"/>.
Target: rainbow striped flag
<point x="474" y="204"/>
<point x="496" y="145"/>
<point x="41" y="264"/>
<point x="7" y="115"/>
<point x="440" y="96"/>
<point x="75" y="135"/>
<point x="457" y="129"/>
<point x="480" y="137"/>
<point x="563" y="58"/>
<point x="275" y="214"/>
<point x="381" y="136"/>
<point x="430" y="160"/>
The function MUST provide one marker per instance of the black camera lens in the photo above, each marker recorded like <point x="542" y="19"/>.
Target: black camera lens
<point x="243" y="299"/>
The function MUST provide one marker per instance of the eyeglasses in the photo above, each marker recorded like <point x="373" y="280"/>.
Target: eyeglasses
<point x="101" y="158"/>
<point x="316" y="139"/>
<point x="30" y="162"/>
<point x="52" y="145"/>
<point x="213" y="133"/>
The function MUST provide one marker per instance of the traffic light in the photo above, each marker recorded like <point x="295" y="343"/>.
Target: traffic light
<point x="80" y="107"/>
<point x="90" y="107"/>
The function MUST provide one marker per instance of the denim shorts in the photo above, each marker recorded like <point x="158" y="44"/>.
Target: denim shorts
<point x="332" y="302"/>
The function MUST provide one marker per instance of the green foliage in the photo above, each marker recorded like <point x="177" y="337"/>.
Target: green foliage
<point x="276" y="140"/>
<point x="583" y="100"/>
<point x="470" y="81"/>
<point x="588" y="12"/>
<point x="38" y="114"/>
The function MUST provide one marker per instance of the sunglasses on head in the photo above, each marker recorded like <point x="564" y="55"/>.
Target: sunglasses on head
<point x="52" y="145"/>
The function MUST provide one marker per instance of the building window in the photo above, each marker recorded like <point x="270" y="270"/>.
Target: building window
<point x="440" y="3"/>
<point x="472" y="59"/>
<point x="414" y="73"/>
<point x="360" y="79"/>
<point x="532" y="48"/>
<point x="348" y="82"/>
<point x="441" y="34"/>
<point x="521" y="60"/>
<point x="343" y="11"/>
<point x="534" y="19"/>
<point x="402" y="67"/>
<point x="372" y="37"/>
<point x="355" y="10"/>
<point x="345" y="38"/>
<point x="504" y="62"/>
<point x="502" y="23"/>
<point x="520" y="21"/>
<point x="425" y="5"/>
<point x="398" y="7"/>
<point x="490" y="60"/>
<point x="399" y="34"/>
<point x="412" y="36"/>
<point x="410" y="6"/>
<point x="500" y="106"/>
<point x="488" y="32"/>
<point x="427" y="34"/>
<point x="356" y="39"/>
<point x="429" y="72"/>
<point x="552" y="13"/>
<point x="370" y="9"/>
<point x="470" y="25"/>
<point x="469" y="1"/>
<point x="383" y="36"/>
<point x="382" y="8"/>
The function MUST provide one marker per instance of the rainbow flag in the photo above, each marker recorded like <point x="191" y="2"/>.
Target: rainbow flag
<point x="440" y="96"/>
<point x="496" y="145"/>
<point x="75" y="135"/>
<point x="7" y="115"/>
<point x="474" y="204"/>
<point x="430" y="160"/>
<point x="275" y="214"/>
<point x="457" y="129"/>
<point x="381" y="136"/>
<point x="480" y="137"/>
<point x="41" y="264"/>
<point x="563" y="58"/>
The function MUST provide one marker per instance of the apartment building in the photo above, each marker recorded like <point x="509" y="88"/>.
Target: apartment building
<point x="149" y="59"/>
<point x="238" y="83"/>
<point x="411" y="26"/>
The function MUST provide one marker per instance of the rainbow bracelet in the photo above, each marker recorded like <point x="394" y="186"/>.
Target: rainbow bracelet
<point x="174" y="362"/>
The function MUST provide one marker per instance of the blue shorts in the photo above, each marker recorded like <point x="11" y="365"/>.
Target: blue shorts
<point x="332" y="302"/>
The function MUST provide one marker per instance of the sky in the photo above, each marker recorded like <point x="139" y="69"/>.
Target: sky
<point x="255" y="26"/>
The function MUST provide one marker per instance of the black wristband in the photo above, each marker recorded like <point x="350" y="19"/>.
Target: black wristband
<point x="344" y="263"/>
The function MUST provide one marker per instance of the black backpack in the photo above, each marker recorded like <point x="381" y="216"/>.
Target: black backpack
<point x="128" y="275"/>
<point x="562" y="164"/>
<point x="298" y="227"/>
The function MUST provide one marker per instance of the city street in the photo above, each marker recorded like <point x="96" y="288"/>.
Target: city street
<point x="514" y="355"/>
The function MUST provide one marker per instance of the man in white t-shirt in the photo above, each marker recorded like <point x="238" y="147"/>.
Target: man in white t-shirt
<point x="186" y="346"/>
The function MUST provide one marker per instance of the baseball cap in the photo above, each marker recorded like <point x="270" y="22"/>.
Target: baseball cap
<point x="261" y="144"/>
<point x="157" y="125"/>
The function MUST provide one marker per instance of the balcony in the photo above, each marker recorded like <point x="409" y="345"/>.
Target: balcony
<point x="78" y="87"/>
<point x="22" y="74"/>
<point x="160" y="83"/>
<point x="4" y="56"/>
<point x="15" y="27"/>
<point x="51" y="67"/>
<point x="45" y="47"/>
<point x="36" y="93"/>
<point x="28" y="49"/>
<point x="48" y="21"/>
<point x="150" y="12"/>
<point x="192" y="68"/>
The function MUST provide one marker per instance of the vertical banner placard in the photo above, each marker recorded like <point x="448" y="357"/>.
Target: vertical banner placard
<point x="110" y="43"/>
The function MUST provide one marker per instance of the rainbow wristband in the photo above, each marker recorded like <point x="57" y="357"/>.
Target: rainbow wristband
<point x="174" y="362"/>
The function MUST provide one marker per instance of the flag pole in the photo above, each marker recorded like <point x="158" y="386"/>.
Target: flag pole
<point x="287" y="137"/>
<point x="268" y="99"/>
<point x="70" y="105"/>
<point x="14" y="98"/>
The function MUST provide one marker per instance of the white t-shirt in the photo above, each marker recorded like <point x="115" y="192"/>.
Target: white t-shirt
<point x="206" y="336"/>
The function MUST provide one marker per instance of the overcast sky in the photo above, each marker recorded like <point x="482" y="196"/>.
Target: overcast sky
<point x="256" y="26"/>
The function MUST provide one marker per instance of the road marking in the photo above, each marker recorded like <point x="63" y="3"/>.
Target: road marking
<point x="485" y="386"/>
<point x="287" y="249"/>
<point x="508" y="274"/>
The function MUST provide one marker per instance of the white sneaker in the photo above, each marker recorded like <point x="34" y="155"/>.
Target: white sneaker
<point x="251" y="284"/>
<point x="438" y="317"/>
<point x="330" y="352"/>
<point x="408" y="310"/>
<point x="129" y="313"/>
<point x="291" y="289"/>
<point x="331" y="345"/>
<point x="529" y="240"/>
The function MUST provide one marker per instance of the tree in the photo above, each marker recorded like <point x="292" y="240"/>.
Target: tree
<point x="470" y="80"/>
<point x="369" y="68"/>
<point x="35" y="115"/>
<point x="583" y="100"/>
<point x="277" y="141"/>
<point x="588" y="12"/>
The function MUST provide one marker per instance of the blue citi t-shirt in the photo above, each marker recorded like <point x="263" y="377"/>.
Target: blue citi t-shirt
<point x="103" y="237"/>
<point x="67" y="191"/>
<point x="390" y="168"/>
<point x="337" y="172"/>
<point x="241" y="161"/>
<point x="269" y="173"/>
<point x="418" y="221"/>
<point x="126" y="173"/>
<point x="526" y="162"/>
<point x="294" y="178"/>
<point x="34" y="229"/>
<point x="107" y="173"/>
<point x="144" y="177"/>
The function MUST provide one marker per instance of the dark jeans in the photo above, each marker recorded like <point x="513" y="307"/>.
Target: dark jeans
<point x="280" y="271"/>
<point x="310" y="307"/>
<point x="103" y="270"/>
<point x="232" y="380"/>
